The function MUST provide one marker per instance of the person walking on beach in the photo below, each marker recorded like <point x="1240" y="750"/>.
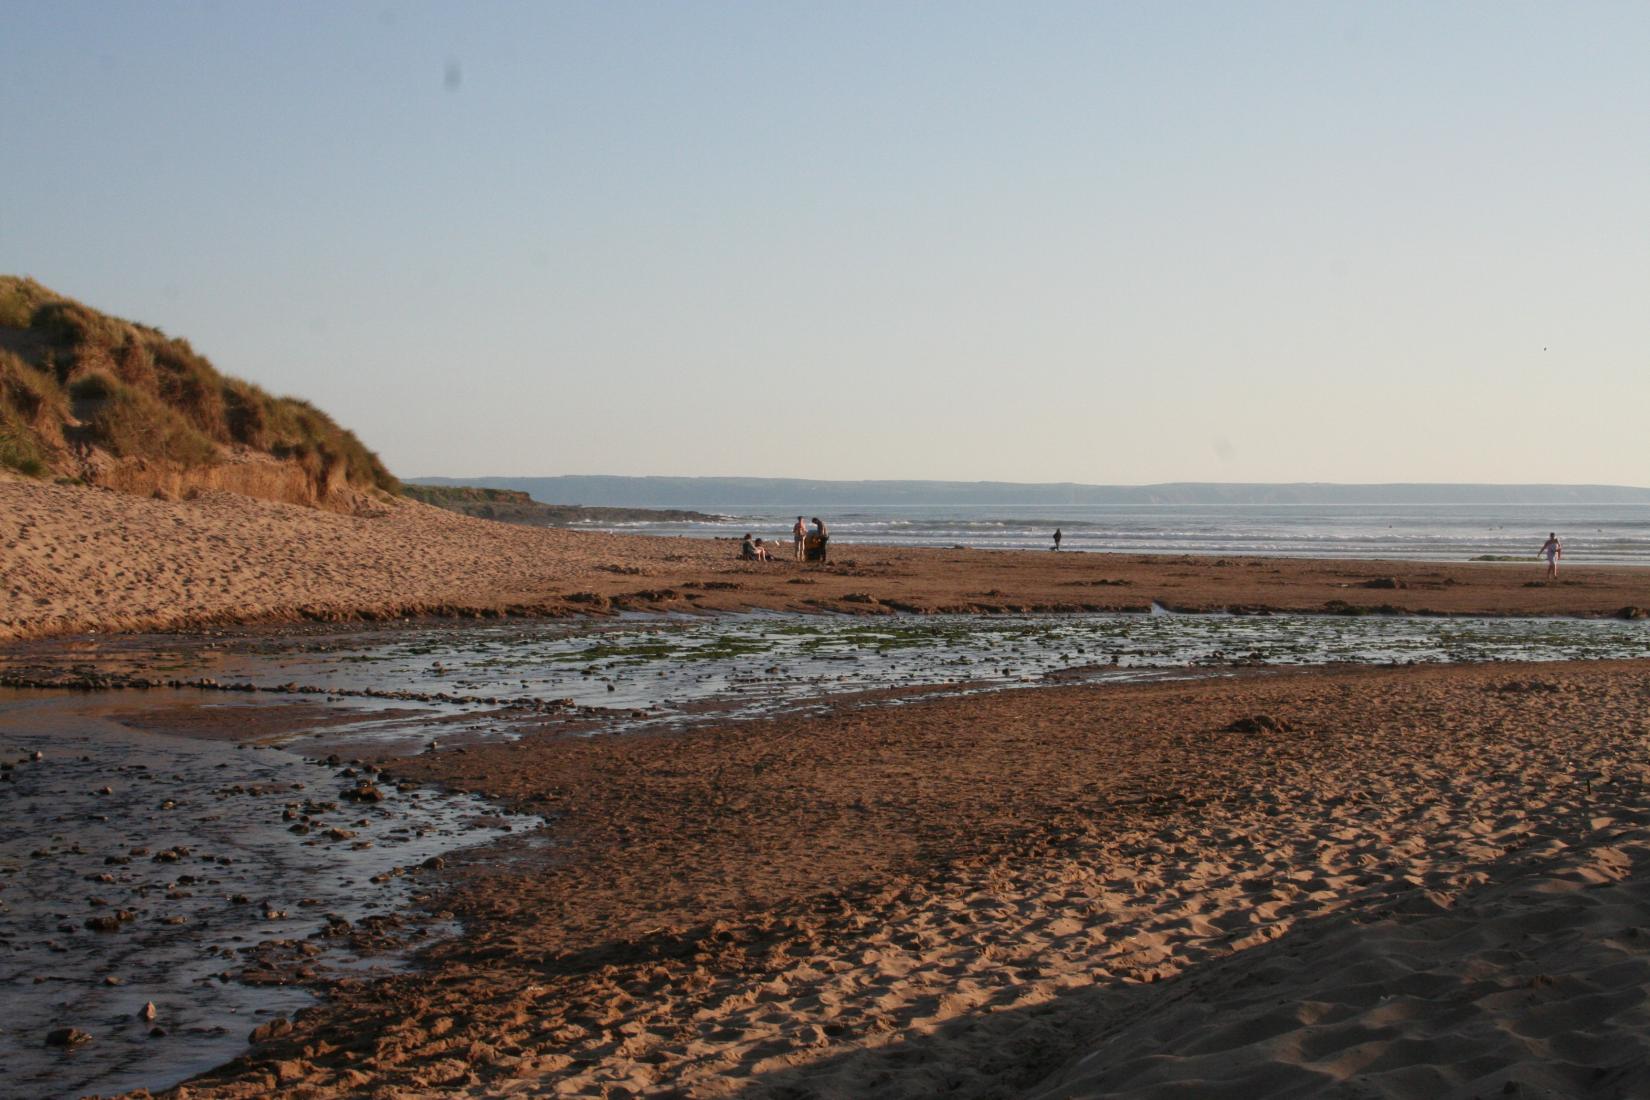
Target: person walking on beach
<point x="1552" y="551"/>
<point x="823" y="535"/>
<point x="1057" y="538"/>
<point x="799" y="533"/>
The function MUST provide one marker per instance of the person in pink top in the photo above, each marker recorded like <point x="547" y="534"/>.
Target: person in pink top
<point x="1552" y="551"/>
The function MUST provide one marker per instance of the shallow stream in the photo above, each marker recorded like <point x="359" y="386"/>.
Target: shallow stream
<point x="640" y="669"/>
<point x="208" y="878"/>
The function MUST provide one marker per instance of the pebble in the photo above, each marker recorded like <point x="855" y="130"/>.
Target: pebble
<point x="364" y="791"/>
<point x="67" y="1037"/>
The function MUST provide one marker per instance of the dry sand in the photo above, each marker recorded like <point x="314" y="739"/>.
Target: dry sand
<point x="1423" y="886"/>
<point x="75" y="559"/>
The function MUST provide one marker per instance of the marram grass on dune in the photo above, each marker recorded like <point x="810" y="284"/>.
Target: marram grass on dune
<point x="74" y="382"/>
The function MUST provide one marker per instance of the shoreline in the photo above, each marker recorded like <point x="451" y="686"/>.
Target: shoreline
<point x="79" y="560"/>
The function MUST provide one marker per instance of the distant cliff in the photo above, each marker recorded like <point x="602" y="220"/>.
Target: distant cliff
<point x="92" y="398"/>
<point x="784" y="494"/>
<point x="513" y="506"/>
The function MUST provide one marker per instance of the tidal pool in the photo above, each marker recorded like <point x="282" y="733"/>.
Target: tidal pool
<point x="651" y="668"/>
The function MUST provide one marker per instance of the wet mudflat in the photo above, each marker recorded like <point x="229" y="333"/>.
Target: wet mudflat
<point x="641" y="669"/>
<point x="161" y="896"/>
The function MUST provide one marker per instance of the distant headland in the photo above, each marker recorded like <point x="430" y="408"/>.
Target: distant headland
<point x="752" y="492"/>
<point x="514" y="506"/>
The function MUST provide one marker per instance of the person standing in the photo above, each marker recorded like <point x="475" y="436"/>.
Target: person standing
<point x="824" y="537"/>
<point x="1057" y="538"/>
<point x="1552" y="550"/>
<point x="800" y="534"/>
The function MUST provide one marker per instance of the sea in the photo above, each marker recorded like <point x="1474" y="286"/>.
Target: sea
<point x="1594" y="534"/>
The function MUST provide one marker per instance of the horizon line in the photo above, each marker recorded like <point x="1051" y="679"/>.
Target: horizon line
<point x="1073" y="484"/>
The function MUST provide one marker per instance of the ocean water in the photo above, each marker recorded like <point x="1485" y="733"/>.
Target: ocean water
<point x="1591" y="533"/>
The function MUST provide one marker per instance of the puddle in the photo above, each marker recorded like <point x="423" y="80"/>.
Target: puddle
<point x="198" y="875"/>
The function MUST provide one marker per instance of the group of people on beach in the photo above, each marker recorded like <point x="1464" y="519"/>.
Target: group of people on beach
<point x="812" y="546"/>
<point x="809" y="546"/>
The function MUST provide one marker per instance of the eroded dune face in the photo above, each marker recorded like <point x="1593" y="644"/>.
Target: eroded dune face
<point x="246" y="474"/>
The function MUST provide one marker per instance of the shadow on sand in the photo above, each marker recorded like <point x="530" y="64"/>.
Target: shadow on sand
<point x="1535" y="983"/>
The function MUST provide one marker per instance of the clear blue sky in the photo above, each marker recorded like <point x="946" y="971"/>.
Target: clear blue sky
<point x="1086" y="242"/>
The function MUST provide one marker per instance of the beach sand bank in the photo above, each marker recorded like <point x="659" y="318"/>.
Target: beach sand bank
<point x="1390" y="882"/>
<point x="74" y="559"/>
<point x="1376" y="881"/>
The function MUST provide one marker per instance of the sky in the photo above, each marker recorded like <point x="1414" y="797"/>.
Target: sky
<point x="1113" y="243"/>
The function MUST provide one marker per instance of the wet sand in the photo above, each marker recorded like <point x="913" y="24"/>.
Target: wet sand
<point x="1042" y="890"/>
<point x="74" y="559"/>
<point x="164" y="895"/>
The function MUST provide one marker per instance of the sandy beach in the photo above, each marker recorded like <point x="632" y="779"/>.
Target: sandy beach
<point x="1352" y="881"/>
<point x="848" y="551"/>
<point x="76" y="559"/>
<point x="1363" y="883"/>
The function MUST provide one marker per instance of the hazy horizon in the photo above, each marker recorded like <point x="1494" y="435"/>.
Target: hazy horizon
<point x="693" y="492"/>
<point x="434" y="477"/>
<point x="1060" y="242"/>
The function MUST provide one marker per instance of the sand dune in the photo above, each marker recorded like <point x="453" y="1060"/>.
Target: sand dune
<point x="77" y="559"/>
